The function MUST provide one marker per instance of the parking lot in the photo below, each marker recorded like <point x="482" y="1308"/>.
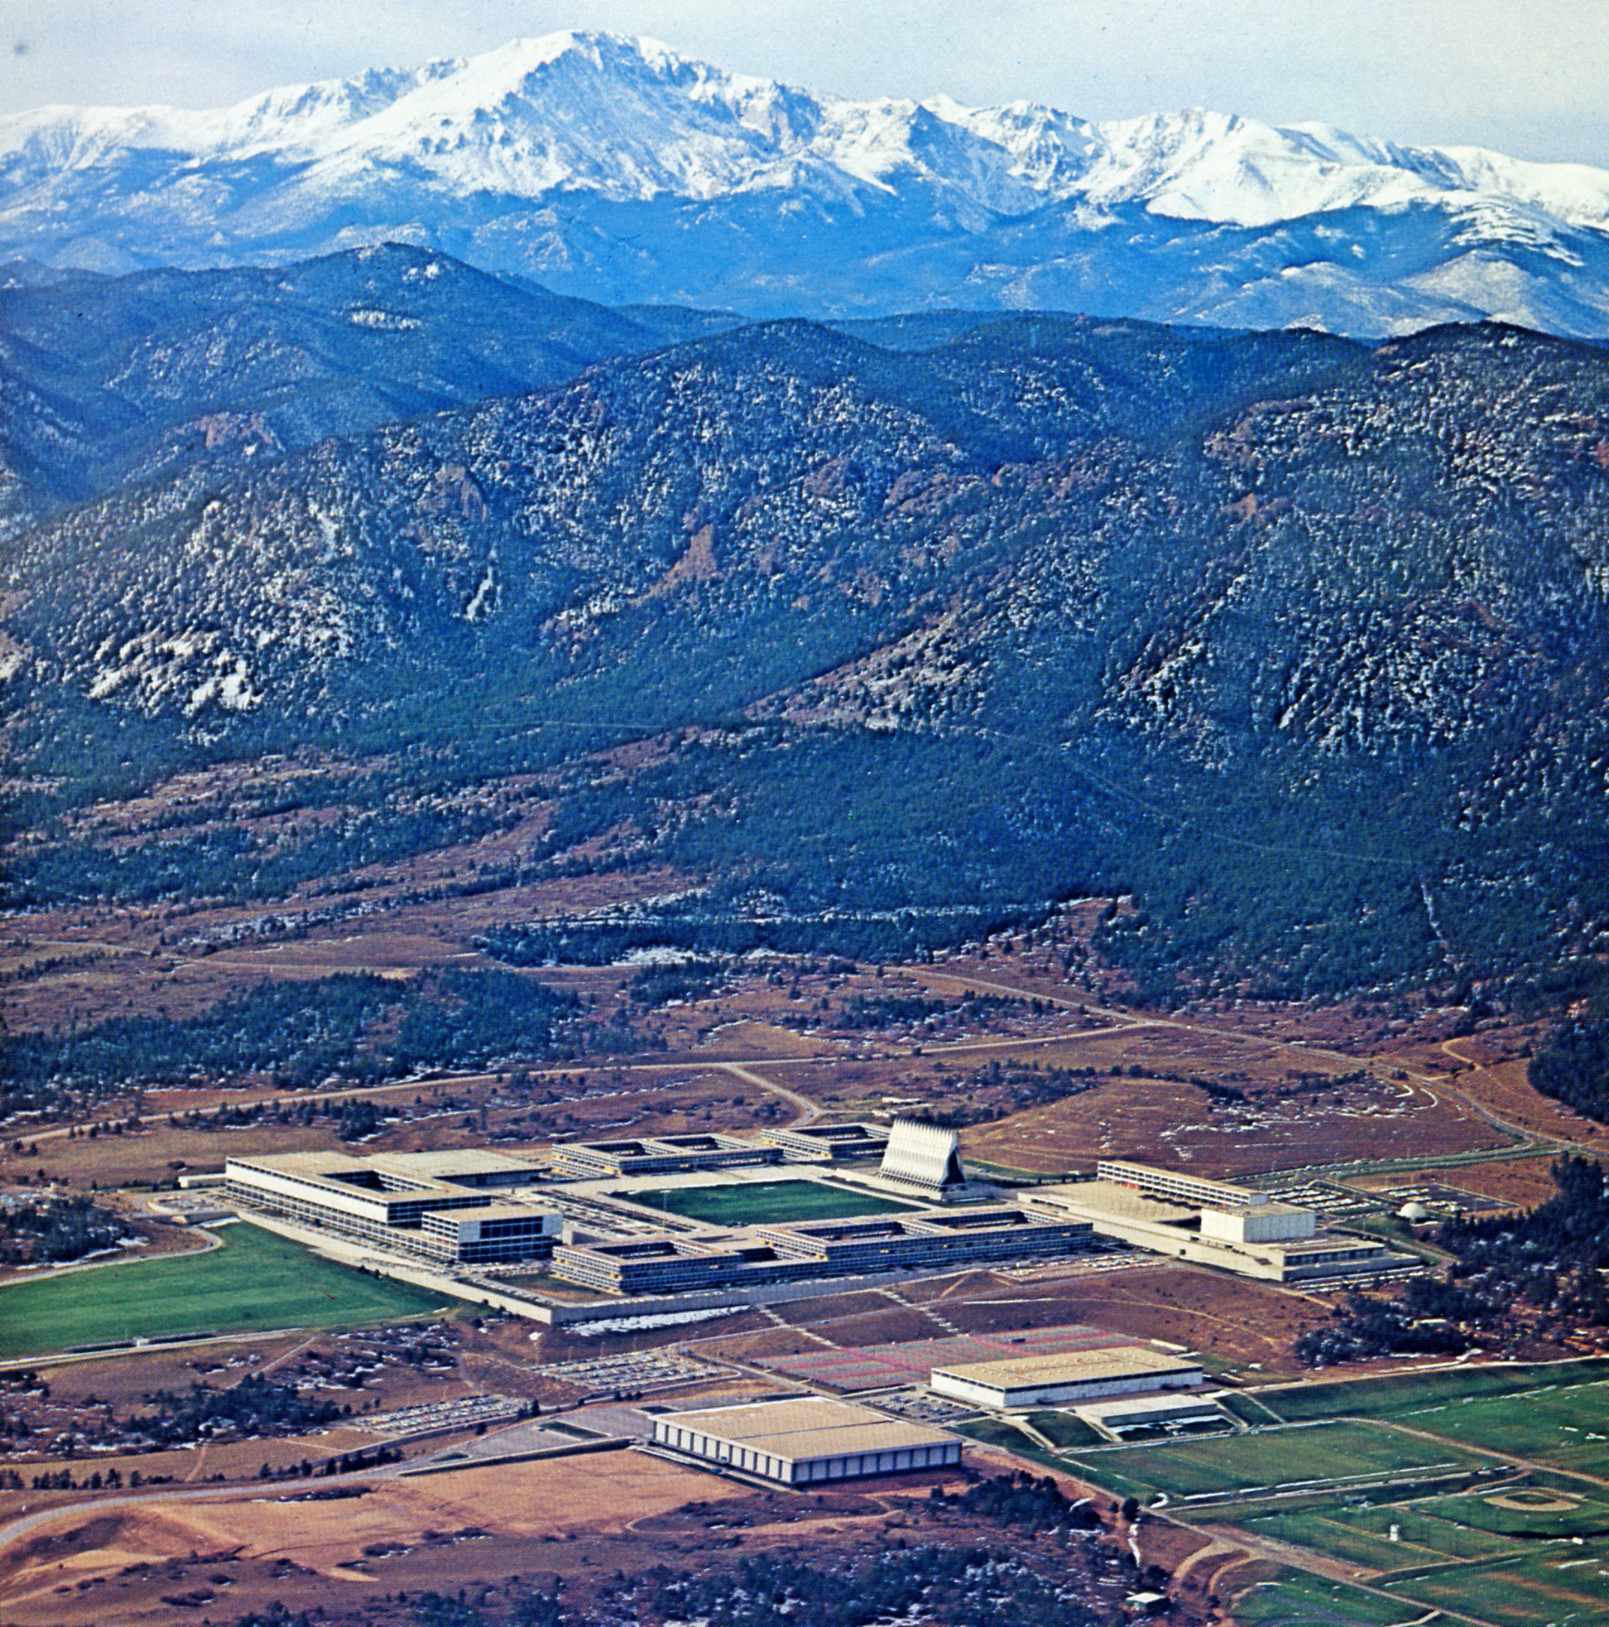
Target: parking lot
<point x="630" y="1374"/>
<point x="462" y="1412"/>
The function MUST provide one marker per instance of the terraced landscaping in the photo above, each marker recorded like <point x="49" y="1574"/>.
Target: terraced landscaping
<point x="1064" y="1429"/>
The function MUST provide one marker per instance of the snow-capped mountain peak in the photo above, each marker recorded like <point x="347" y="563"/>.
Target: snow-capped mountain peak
<point x="542" y="155"/>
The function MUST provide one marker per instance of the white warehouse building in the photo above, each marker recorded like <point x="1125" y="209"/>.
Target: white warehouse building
<point x="806" y="1441"/>
<point x="1078" y="1375"/>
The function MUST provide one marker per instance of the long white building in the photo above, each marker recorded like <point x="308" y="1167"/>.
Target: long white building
<point x="450" y="1206"/>
<point x="1274" y="1241"/>
<point x="806" y="1441"/>
<point x="1077" y="1375"/>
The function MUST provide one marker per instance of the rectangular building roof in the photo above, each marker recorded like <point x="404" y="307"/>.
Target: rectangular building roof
<point x="428" y="1172"/>
<point x="446" y="1163"/>
<point x="1323" y="1243"/>
<point x="810" y="1427"/>
<point x="302" y="1163"/>
<point x="500" y="1211"/>
<point x="1232" y="1193"/>
<point x="1072" y="1367"/>
<point x="1150" y="1406"/>
<point x="1115" y="1199"/>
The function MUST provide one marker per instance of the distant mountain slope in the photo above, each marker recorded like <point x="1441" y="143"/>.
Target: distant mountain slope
<point x="106" y="379"/>
<point x="615" y="169"/>
<point x="1305" y="644"/>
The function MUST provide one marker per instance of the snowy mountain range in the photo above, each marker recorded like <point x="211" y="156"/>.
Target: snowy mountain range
<point x="615" y="169"/>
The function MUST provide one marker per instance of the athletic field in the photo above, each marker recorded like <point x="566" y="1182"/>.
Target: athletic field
<point x="1563" y="1425"/>
<point x="1317" y="1456"/>
<point x="256" y="1281"/>
<point x="764" y="1203"/>
<point x="1551" y="1582"/>
<point x="1390" y="1397"/>
<point x="1294" y="1599"/>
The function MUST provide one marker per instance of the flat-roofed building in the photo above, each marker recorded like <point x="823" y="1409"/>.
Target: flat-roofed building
<point x="1118" y="1418"/>
<point x="493" y="1233"/>
<point x="807" y="1441"/>
<point x="1274" y="1241"/>
<point x="1076" y="1375"/>
<point x="928" y="1237"/>
<point x="670" y="1263"/>
<point x="475" y="1167"/>
<point x="1259" y="1223"/>
<point x="661" y="1155"/>
<point x="932" y="1238"/>
<point x="385" y="1198"/>
<point x="1327" y="1255"/>
<point x="924" y="1158"/>
<point x="1171" y="1183"/>
<point x="834" y="1142"/>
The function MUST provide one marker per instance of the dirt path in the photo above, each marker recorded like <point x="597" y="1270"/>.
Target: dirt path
<point x="805" y="1110"/>
<point x="729" y="1064"/>
<point x="23" y="1524"/>
<point x="1530" y="1465"/>
<point x="1525" y="1142"/>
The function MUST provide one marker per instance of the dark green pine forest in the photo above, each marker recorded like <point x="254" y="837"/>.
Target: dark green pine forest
<point x="1296" y="645"/>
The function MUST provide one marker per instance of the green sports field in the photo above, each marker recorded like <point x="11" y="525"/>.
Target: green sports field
<point x="1551" y="1583"/>
<point x="1295" y="1599"/>
<point x="1565" y="1426"/>
<point x="1286" y="1458"/>
<point x="256" y="1281"/>
<point x="1424" y="1533"/>
<point x="765" y="1203"/>
<point x="1586" y="1514"/>
<point x="1389" y="1397"/>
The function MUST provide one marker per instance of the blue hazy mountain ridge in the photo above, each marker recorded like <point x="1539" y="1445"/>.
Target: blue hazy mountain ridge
<point x="107" y="379"/>
<point x="616" y="170"/>
<point x="1046" y="606"/>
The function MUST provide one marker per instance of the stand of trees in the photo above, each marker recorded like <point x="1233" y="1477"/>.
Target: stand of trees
<point x="353" y="1028"/>
<point x="254" y="1406"/>
<point x="53" y="1230"/>
<point x="1551" y="1259"/>
<point x="1573" y="1066"/>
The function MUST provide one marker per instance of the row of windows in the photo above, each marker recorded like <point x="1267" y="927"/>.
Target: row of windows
<point x="319" y="1217"/>
<point x="847" y="1466"/>
<point x="670" y="1276"/>
<point x="1191" y="1187"/>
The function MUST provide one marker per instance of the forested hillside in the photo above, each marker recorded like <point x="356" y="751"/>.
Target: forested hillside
<point x="109" y="379"/>
<point x="1300" y="643"/>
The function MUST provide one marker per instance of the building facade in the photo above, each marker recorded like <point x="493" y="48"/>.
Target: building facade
<point x="670" y="1263"/>
<point x="660" y="1155"/>
<point x="808" y="1441"/>
<point x="386" y="1200"/>
<point x="1173" y="1186"/>
<point x="924" y="1158"/>
<point x="836" y="1143"/>
<point x="1080" y="1375"/>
